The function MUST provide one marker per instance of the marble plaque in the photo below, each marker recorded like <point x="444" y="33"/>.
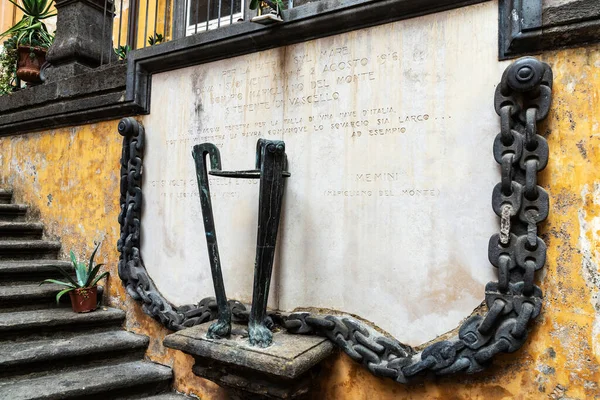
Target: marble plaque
<point x="389" y="133"/>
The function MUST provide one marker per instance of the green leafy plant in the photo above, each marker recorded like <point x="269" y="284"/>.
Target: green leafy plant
<point x="8" y="66"/>
<point x="158" y="38"/>
<point x="122" y="51"/>
<point x="31" y="30"/>
<point x="275" y="4"/>
<point x="85" y="275"/>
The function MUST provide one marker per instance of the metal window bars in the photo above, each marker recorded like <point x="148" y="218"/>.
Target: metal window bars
<point x="141" y="23"/>
<point x="136" y="24"/>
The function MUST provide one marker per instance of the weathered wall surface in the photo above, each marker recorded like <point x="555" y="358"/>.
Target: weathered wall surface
<point x="369" y="119"/>
<point x="71" y="179"/>
<point x="561" y="359"/>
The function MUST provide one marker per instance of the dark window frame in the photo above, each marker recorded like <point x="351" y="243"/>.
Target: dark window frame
<point x="531" y="26"/>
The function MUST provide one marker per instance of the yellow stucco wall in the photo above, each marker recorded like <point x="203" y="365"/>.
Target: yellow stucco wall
<point x="70" y="177"/>
<point x="7" y="14"/>
<point x="156" y="10"/>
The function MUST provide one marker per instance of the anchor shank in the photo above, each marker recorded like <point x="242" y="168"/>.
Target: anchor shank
<point x="272" y="160"/>
<point x="222" y="327"/>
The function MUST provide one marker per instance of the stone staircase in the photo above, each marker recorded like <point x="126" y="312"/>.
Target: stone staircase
<point x="49" y="352"/>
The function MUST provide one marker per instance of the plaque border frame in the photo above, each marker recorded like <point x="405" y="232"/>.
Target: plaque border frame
<point x="525" y="27"/>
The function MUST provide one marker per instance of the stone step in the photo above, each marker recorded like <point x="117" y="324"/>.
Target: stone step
<point x="22" y="324"/>
<point x="13" y="212"/>
<point x="20" y="230"/>
<point x="16" y="296"/>
<point x="5" y="196"/>
<point x="167" y="396"/>
<point x="69" y="351"/>
<point x="23" y="295"/>
<point x="28" y="249"/>
<point x="92" y="383"/>
<point x="32" y="270"/>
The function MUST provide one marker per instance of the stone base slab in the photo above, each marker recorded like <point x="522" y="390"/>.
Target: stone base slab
<point x="283" y="370"/>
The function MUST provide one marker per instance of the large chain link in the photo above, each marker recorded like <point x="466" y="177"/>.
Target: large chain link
<point x="131" y="266"/>
<point x="521" y="100"/>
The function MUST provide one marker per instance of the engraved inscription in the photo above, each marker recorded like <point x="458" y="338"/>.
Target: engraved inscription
<point x="387" y="132"/>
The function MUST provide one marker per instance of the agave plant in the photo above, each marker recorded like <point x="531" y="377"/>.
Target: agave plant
<point x="31" y="30"/>
<point x="85" y="275"/>
<point x="156" y="39"/>
<point x="122" y="52"/>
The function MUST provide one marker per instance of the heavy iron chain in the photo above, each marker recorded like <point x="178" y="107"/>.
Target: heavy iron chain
<point x="132" y="270"/>
<point x="521" y="100"/>
<point x="131" y="266"/>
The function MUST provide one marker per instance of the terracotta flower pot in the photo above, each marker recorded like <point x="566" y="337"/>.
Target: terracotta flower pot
<point x="84" y="299"/>
<point x="28" y="67"/>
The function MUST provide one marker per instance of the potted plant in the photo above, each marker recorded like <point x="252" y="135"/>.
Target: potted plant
<point x="83" y="290"/>
<point x="269" y="11"/>
<point x="33" y="38"/>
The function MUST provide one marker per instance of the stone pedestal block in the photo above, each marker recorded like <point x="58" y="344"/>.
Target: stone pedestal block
<point x="283" y="370"/>
<point x="83" y="37"/>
